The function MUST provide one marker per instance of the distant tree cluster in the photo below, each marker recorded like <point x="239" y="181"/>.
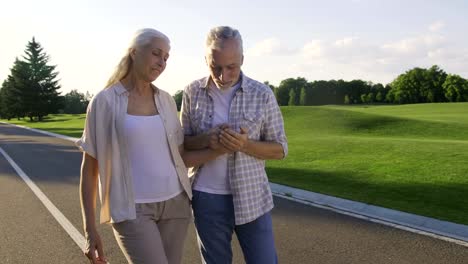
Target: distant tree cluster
<point x="301" y="92"/>
<point x="31" y="89"/>
<point x="417" y="85"/>
<point x="75" y="102"/>
<point x="427" y="86"/>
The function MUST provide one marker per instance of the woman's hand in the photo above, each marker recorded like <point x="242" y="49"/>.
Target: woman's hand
<point x="93" y="245"/>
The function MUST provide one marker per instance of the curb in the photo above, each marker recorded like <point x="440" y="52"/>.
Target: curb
<point x="444" y="230"/>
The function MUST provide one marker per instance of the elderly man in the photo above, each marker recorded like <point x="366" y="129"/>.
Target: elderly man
<point x="239" y="118"/>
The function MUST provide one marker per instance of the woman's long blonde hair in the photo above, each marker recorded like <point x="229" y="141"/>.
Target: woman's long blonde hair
<point x="140" y="39"/>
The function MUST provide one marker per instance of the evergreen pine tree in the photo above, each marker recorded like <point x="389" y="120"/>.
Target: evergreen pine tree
<point x="40" y="96"/>
<point x="12" y="104"/>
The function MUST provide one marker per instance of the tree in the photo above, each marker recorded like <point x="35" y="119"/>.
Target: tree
<point x="405" y="88"/>
<point x="283" y="91"/>
<point x="364" y="98"/>
<point x="12" y="103"/>
<point x="455" y="88"/>
<point x="370" y="98"/>
<point x="346" y="100"/>
<point x="292" y="97"/>
<point x="38" y="90"/>
<point x="419" y="85"/>
<point x="379" y="97"/>
<point x="355" y="89"/>
<point x="272" y="87"/>
<point x="5" y="112"/>
<point x="303" y="100"/>
<point x="75" y="102"/>
<point x="282" y="95"/>
<point x="178" y="98"/>
<point x="435" y="78"/>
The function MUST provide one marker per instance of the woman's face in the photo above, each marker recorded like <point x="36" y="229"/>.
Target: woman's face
<point x="150" y="61"/>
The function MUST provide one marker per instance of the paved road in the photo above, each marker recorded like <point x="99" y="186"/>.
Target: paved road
<point x="29" y="233"/>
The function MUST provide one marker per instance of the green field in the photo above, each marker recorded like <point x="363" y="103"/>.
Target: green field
<point x="412" y="158"/>
<point x="69" y="125"/>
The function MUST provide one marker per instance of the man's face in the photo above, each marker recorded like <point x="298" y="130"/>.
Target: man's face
<point x="225" y="64"/>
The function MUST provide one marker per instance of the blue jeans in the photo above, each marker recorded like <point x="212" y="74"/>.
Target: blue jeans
<point x="215" y="223"/>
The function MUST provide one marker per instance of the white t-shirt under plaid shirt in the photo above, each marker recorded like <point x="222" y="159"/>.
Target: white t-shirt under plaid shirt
<point x="254" y="107"/>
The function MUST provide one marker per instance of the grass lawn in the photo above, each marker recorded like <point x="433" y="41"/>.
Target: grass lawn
<point x="412" y="158"/>
<point x="69" y="125"/>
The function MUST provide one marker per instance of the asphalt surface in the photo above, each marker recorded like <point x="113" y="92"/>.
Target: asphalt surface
<point x="303" y="234"/>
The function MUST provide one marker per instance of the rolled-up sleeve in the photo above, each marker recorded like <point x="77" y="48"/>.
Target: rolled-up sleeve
<point x="273" y="127"/>
<point x="185" y="112"/>
<point x="179" y="137"/>
<point x="87" y="142"/>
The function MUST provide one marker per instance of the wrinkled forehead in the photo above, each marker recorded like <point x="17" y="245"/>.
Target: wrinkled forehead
<point x="225" y="44"/>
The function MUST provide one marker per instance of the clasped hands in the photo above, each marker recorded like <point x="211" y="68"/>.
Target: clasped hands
<point x="224" y="139"/>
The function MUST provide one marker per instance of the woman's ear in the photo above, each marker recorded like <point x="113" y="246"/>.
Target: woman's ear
<point x="132" y="53"/>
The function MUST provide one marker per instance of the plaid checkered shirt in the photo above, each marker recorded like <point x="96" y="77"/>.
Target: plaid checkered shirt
<point x="254" y="106"/>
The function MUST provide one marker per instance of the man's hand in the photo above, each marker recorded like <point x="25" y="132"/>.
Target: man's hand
<point x="234" y="141"/>
<point x="214" y="139"/>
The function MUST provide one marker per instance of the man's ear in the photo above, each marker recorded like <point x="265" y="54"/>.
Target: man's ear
<point x="242" y="60"/>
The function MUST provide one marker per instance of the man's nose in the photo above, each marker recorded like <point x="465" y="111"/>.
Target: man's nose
<point x="223" y="75"/>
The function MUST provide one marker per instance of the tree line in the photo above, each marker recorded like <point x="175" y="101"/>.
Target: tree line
<point x="417" y="85"/>
<point x="32" y="89"/>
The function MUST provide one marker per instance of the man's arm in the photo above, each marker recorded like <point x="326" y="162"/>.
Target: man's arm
<point x="200" y="141"/>
<point x="273" y="144"/>
<point x="202" y="148"/>
<point x="194" y="158"/>
<point x="209" y="139"/>
<point x="264" y="150"/>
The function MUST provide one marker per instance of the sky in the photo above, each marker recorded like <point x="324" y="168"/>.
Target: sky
<point x="372" y="40"/>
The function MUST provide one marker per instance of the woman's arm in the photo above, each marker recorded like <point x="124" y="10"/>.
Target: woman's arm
<point x="88" y="195"/>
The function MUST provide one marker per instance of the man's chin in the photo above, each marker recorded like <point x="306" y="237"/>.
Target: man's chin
<point x="223" y="86"/>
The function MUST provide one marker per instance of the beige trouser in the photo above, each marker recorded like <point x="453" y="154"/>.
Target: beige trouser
<point x="158" y="234"/>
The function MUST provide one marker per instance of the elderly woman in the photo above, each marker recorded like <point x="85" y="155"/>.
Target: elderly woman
<point x="132" y="145"/>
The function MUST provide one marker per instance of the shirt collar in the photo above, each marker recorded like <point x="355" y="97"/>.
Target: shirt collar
<point x="120" y="89"/>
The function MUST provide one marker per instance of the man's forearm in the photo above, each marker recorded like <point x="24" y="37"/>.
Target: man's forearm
<point x="264" y="150"/>
<point x="194" y="158"/>
<point x="196" y="142"/>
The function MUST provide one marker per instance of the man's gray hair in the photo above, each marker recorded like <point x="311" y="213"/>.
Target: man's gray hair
<point x="217" y="36"/>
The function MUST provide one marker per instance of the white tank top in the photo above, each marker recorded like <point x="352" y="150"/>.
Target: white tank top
<point x="213" y="175"/>
<point x="154" y="175"/>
